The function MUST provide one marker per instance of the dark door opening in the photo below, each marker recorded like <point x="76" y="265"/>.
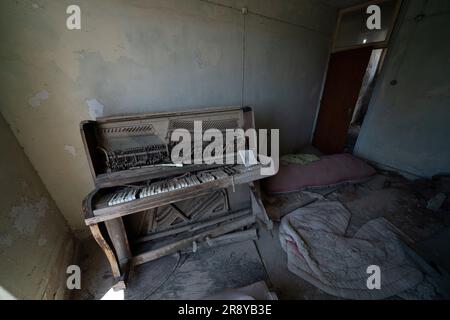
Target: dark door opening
<point x="346" y="71"/>
<point x="362" y="104"/>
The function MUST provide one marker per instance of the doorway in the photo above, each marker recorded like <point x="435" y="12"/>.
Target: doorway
<point x="348" y="88"/>
<point x="365" y="94"/>
<point x="354" y="64"/>
<point x="345" y="75"/>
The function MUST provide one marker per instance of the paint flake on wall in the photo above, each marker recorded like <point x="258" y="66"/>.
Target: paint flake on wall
<point x="95" y="108"/>
<point x="42" y="241"/>
<point x="70" y="150"/>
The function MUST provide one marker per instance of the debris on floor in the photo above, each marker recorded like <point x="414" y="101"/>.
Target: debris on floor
<point x="386" y="195"/>
<point x="185" y="276"/>
<point x="254" y="291"/>
<point x="319" y="252"/>
<point x="436" y="202"/>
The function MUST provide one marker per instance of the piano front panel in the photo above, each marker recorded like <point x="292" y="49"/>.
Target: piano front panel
<point x="201" y="208"/>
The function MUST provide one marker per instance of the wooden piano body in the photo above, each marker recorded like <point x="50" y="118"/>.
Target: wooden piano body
<point x="131" y="154"/>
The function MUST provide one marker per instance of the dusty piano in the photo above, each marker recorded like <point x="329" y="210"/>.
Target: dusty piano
<point x="144" y="206"/>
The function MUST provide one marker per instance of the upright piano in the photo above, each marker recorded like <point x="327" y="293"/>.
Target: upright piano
<point x="144" y="206"/>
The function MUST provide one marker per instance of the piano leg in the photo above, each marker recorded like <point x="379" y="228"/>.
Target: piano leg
<point x="258" y="206"/>
<point x="95" y="230"/>
<point x="119" y="239"/>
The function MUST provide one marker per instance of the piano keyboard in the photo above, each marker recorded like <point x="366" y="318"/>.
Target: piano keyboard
<point x="133" y="193"/>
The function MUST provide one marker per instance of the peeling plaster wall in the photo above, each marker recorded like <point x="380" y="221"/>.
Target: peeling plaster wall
<point x="153" y="55"/>
<point x="36" y="244"/>
<point x="407" y="126"/>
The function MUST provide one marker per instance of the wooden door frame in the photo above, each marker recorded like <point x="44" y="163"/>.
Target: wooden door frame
<point x="376" y="45"/>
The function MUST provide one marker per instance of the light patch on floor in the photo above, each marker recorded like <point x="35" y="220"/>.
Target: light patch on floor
<point x="114" y="295"/>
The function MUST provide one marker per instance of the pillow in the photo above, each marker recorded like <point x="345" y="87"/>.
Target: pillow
<point x="328" y="171"/>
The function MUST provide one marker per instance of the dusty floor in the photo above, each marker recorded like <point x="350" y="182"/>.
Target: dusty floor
<point x="194" y="276"/>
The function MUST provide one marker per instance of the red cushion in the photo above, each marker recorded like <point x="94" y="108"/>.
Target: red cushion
<point x="328" y="171"/>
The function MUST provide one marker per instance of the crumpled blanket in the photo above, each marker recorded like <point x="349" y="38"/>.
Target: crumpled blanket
<point x="319" y="252"/>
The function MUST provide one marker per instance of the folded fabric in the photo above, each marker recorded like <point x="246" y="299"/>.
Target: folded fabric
<point x="301" y="158"/>
<point x="327" y="171"/>
<point x="319" y="252"/>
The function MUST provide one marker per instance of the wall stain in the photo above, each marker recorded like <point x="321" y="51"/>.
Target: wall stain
<point x="28" y="215"/>
<point x="5" y="240"/>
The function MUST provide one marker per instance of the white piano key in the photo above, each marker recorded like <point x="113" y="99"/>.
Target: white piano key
<point x="196" y="180"/>
<point x="120" y="197"/>
<point x="125" y="196"/>
<point x="111" y="201"/>
<point x="129" y="196"/>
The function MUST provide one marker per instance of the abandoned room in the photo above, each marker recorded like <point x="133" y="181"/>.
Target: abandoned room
<point x="225" y="150"/>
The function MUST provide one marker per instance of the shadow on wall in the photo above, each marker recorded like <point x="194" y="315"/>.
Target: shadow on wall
<point x="36" y="245"/>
